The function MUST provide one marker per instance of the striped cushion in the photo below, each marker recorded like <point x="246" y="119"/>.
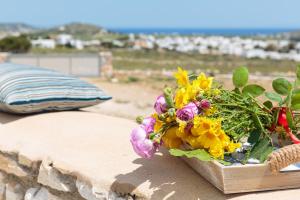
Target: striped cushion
<point x="28" y="89"/>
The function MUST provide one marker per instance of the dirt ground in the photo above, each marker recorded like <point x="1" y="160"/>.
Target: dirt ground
<point x="131" y="99"/>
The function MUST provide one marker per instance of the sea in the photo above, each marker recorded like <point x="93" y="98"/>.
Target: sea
<point x="206" y="31"/>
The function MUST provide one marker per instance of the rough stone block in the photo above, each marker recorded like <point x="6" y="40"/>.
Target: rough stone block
<point x="52" y="178"/>
<point x="14" y="191"/>
<point x="40" y="194"/>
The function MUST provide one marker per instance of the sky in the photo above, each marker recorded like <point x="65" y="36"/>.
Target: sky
<point x="155" y="13"/>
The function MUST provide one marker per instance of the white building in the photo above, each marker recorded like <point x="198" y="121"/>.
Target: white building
<point x="64" y="39"/>
<point x="44" y="43"/>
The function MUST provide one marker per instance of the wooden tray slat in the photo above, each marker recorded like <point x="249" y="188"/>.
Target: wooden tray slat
<point x="244" y="178"/>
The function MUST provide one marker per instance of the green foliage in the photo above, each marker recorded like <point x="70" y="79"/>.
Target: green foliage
<point x="282" y="86"/>
<point x="254" y="136"/>
<point x="14" y="44"/>
<point x="273" y="96"/>
<point x="168" y="94"/>
<point x="240" y="114"/>
<point x="201" y="154"/>
<point x="254" y="90"/>
<point x="133" y="79"/>
<point x="268" y="104"/>
<point x="193" y="77"/>
<point x="240" y="77"/>
<point x="261" y="149"/>
<point x="296" y="97"/>
<point x="298" y="72"/>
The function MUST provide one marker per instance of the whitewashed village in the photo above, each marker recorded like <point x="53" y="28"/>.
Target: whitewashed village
<point x="276" y="49"/>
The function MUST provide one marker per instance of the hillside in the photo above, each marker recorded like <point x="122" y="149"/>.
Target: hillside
<point x="16" y="27"/>
<point x="78" y="30"/>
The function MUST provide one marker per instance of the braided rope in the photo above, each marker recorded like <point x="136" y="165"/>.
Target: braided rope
<point x="284" y="157"/>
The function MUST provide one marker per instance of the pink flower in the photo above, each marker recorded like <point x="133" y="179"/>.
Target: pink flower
<point x="141" y="144"/>
<point x="138" y="134"/>
<point x="144" y="148"/>
<point x="148" y="124"/>
<point x="160" y="105"/>
<point x="204" y="104"/>
<point x="187" y="112"/>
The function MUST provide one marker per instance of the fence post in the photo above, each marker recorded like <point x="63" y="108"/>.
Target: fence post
<point x="4" y="57"/>
<point x="106" y="65"/>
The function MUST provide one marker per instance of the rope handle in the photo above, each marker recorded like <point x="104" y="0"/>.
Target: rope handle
<point x="284" y="157"/>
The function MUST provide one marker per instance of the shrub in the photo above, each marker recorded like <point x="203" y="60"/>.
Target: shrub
<point x="14" y="44"/>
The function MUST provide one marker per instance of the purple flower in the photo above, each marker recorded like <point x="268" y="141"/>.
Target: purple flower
<point x="204" y="104"/>
<point x="187" y="112"/>
<point x="148" y="124"/>
<point x="160" y="105"/>
<point x="138" y="134"/>
<point x="144" y="148"/>
<point x="141" y="145"/>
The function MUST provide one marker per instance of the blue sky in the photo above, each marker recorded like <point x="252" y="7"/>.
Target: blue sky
<point x="155" y="13"/>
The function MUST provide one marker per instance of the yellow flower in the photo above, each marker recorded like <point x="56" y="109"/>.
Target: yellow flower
<point x="192" y="91"/>
<point x="207" y="133"/>
<point x="233" y="146"/>
<point x="181" y="77"/>
<point x="217" y="151"/>
<point x="210" y="111"/>
<point x="181" y="133"/>
<point x="203" y="82"/>
<point x="158" y="123"/>
<point x="193" y="142"/>
<point x="181" y="98"/>
<point x="216" y="92"/>
<point x="209" y="140"/>
<point x="170" y="138"/>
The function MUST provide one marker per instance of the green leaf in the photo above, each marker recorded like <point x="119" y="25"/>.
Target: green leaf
<point x="223" y="162"/>
<point x="201" y="154"/>
<point x="261" y="150"/>
<point x="253" y="89"/>
<point x="240" y="77"/>
<point x="284" y="100"/>
<point x="254" y="136"/>
<point x="296" y="97"/>
<point x="298" y="72"/>
<point x="282" y="86"/>
<point x="276" y="116"/>
<point x="237" y="90"/>
<point x="273" y="96"/>
<point x="193" y="77"/>
<point x="268" y="104"/>
<point x="296" y="106"/>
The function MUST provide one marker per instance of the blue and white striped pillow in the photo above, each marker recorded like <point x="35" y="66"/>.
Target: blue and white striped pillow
<point x="28" y="89"/>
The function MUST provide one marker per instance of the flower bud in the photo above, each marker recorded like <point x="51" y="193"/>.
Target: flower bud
<point x="204" y="104"/>
<point x="160" y="105"/>
<point x="139" y="119"/>
<point x="169" y="97"/>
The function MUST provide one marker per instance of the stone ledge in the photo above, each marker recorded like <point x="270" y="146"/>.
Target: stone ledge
<point x="80" y="155"/>
<point x="27" y="170"/>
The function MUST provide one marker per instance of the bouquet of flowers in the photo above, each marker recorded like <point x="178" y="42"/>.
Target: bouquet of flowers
<point x="201" y="119"/>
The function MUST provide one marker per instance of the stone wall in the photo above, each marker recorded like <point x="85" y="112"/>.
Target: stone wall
<point x="21" y="179"/>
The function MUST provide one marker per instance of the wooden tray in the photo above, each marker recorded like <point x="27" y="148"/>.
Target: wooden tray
<point x="244" y="178"/>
